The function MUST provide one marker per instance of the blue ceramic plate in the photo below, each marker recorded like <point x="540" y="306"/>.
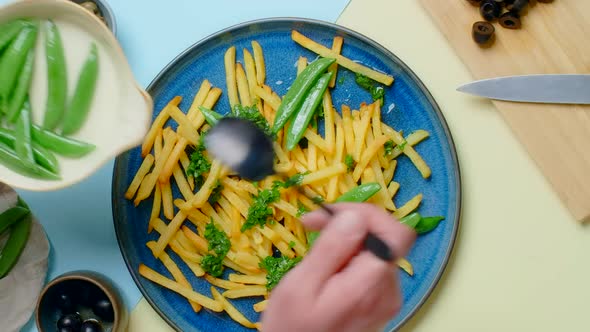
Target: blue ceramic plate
<point x="408" y="106"/>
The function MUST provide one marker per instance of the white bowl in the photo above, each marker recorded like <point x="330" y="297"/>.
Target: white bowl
<point x="121" y="112"/>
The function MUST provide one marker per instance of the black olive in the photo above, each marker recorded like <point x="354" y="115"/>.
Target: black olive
<point x="69" y="321"/>
<point x="91" y="326"/>
<point x="65" y="303"/>
<point x="490" y="10"/>
<point x="508" y="3"/>
<point x="104" y="310"/>
<point x="518" y="5"/>
<point x="510" y="20"/>
<point x="483" y="32"/>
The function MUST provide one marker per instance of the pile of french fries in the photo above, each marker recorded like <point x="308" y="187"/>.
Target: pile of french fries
<point x="181" y="221"/>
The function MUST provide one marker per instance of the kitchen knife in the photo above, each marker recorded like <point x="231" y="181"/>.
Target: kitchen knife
<point x="553" y="89"/>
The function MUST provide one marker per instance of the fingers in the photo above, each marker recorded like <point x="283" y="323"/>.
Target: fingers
<point x="398" y="236"/>
<point x="341" y="239"/>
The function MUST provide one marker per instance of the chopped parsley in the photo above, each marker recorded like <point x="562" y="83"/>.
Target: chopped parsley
<point x="260" y="211"/>
<point x="403" y="145"/>
<point x="252" y="114"/>
<point x="318" y="200"/>
<point x="301" y="210"/>
<point x="291" y="244"/>
<point x="199" y="164"/>
<point x="295" y="180"/>
<point x="276" y="268"/>
<point x="388" y="146"/>
<point x="215" y="193"/>
<point x="219" y="245"/>
<point x="349" y="162"/>
<point x="376" y="91"/>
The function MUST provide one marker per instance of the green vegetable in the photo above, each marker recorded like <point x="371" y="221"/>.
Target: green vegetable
<point x="10" y="30"/>
<point x="57" y="87"/>
<point x="252" y="114"/>
<point x="411" y="220"/>
<point x="349" y="162"/>
<point x="360" y="193"/>
<point x="377" y="92"/>
<point x="276" y="268"/>
<point x="388" y="147"/>
<point x="427" y="224"/>
<point x="260" y="211"/>
<point x="79" y="107"/>
<point x="295" y="180"/>
<point x="42" y="156"/>
<point x="11" y="216"/>
<point x="19" y="96"/>
<point x="312" y="237"/>
<point x="10" y="159"/>
<point x="22" y="133"/>
<point x="61" y="145"/>
<point x="318" y="199"/>
<point x="215" y="193"/>
<point x="210" y="116"/>
<point x="219" y="245"/>
<point x="301" y="119"/>
<point x="403" y="145"/>
<point x="298" y="91"/>
<point x="199" y="164"/>
<point x="301" y="210"/>
<point x="19" y="235"/>
<point x="12" y="61"/>
<point x="292" y="244"/>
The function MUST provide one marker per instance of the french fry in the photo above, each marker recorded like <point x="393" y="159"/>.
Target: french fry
<point x="273" y="100"/>
<point x="376" y="126"/>
<point x="329" y="122"/>
<point x="259" y="61"/>
<point x="225" y="284"/>
<point x="288" y="237"/>
<point x="348" y="130"/>
<point x="312" y="157"/>
<point x="392" y="188"/>
<point x="301" y="64"/>
<point x="407" y="208"/>
<point x="324" y="174"/>
<point x="185" y="127"/>
<point x="167" y="205"/>
<point x="361" y="134"/>
<point x="236" y="201"/>
<point x="341" y="60"/>
<point x="201" y="244"/>
<point x="413" y="139"/>
<point x="278" y="242"/>
<point x="298" y="155"/>
<point x="158" y="144"/>
<point x="318" y="141"/>
<point x="367" y="155"/>
<point x="175" y="272"/>
<point x="189" y="294"/>
<point x="389" y="171"/>
<point x="408" y="150"/>
<point x="159" y="122"/>
<point x="182" y="184"/>
<point x="251" y="290"/>
<point x="243" y="88"/>
<point x="205" y="191"/>
<point x="260" y="306"/>
<point x="246" y="279"/>
<point x="145" y="167"/>
<point x="156" y="206"/>
<point x="198" y="100"/>
<point x="231" y="310"/>
<point x="169" y="233"/>
<point x="250" y="71"/>
<point x="211" y="99"/>
<point x="149" y="181"/>
<point x="387" y="202"/>
<point x="405" y="265"/>
<point x="230" y="76"/>
<point x="336" y="48"/>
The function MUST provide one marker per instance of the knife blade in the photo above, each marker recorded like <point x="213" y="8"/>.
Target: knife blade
<point x="540" y="88"/>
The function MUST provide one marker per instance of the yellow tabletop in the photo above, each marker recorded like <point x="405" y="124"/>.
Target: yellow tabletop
<point x="521" y="262"/>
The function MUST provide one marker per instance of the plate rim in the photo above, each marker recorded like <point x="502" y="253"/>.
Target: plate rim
<point x="437" y="110"/>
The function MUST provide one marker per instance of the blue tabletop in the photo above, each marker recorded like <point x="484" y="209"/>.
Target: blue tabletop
<point x="78" y="220"/>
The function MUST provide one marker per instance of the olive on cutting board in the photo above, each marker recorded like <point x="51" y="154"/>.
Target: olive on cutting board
<point x="483" y="32"/>
<point x="490" y="10"/>
<point x="510" y="20"/>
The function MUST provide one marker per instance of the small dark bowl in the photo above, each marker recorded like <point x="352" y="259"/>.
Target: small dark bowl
<point x="83" y="288"/>
<point x="105" y="11"/>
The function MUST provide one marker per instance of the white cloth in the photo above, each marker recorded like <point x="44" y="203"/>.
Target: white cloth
<point x="20" y="289"/>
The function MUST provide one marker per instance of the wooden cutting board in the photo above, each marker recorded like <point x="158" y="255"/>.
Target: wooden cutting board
<point x="553" y="39"/>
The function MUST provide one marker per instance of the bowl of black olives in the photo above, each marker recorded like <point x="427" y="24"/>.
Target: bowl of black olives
<point x="80" y="301"/>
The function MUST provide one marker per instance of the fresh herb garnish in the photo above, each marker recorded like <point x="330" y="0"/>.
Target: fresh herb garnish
<point x="199" y="164"/>
<point x="349" y="162"/>
<point x="276" y="268"/>
<point x="388" y="146"/>
<point x="260" y="211"/>
<point x="219" y="245"/>
<point x="317" y="199"/>
<point x="295" y="180"/>
<point x="403" y="145"/>
<point x="215" y="193"/>
<point x="291" y="244"/>
<point x="252" y="114"/>
<point x="376" y="91"/>
<point x="301" y="210"/>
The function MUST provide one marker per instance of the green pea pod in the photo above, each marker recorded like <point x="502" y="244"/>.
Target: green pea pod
<point x="11" y="216"/>
<point x="61" y="145"/>
<point x="411" y="220"/>
<point x="360" y="193"/>
<point x="42" y="156"/>
<point x="23" y="84"/>
<point x="301" y="119"/>
<point x="57" y="84"/>
<point x="19" y="235"/>
<point x="10" y="30"/>
<point x="22" y="144"/>
<point x="12" y="61"/>
<point x="10" y="159"/>
<point x="298" y="91"/>
<point x="79" y="107"/>
<point x="427" y="224"/>
<point x="210" y="116"/>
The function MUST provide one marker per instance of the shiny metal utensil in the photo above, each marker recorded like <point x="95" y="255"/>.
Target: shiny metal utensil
<point x="247" y="150"/>
<point x="553" y="89"/>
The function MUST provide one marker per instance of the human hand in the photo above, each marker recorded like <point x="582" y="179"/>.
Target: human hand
<point x="339" y="286"/>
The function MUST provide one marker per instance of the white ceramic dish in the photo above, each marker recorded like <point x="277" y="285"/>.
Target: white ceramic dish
<point x="121" y="111"/>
